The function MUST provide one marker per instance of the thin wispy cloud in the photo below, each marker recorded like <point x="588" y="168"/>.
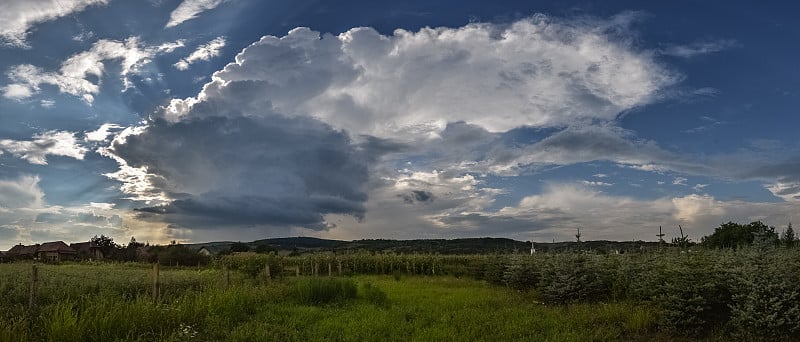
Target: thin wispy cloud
<point x="19" y="17"/>
<point x="203" y="53"/>
<point x="81" y="74"/>
<point x="698" y="48"/>
<point x="36" y="150"/>
<point x="190" y="9"/>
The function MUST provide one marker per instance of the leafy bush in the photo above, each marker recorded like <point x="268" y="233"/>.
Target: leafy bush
<point x="318" y="291"/>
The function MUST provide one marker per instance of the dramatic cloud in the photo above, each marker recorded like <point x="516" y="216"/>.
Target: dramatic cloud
<point x="55" y="143"/>
<point x="536" y="72"/>
<point x="189" y="9"/>
<point x="81" y="74"/>
<point x="265" y="170"/>
<point x="309" y="130"/>
<point x="17" y="17"/>
<point x="203" y="53"/>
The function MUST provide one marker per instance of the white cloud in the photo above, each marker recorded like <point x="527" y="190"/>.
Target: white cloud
<point x="22" y="192"/>
<point x="787" y="190"/>
<point x="203" y="53"/>
<point x="102" y="133"/>
<point x="679" y="181"/>
<point x="593" y="183"/>
<point x="76" y="73"/>
<point x="600" y="175"/>
<point x="698" y="48"/>
<point x="55" y="143"/>
<point x="101" y="205"/>
<point x="47" y="103"/>
<point x="538" y="72"/>
<point x="560" y="208"/>
<point x="189" y="9"/>
<point x="17" y="17"/>
<point x="699" y="187"/>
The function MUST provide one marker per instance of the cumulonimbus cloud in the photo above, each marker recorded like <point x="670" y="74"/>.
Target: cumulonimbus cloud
<point x="537" y="72"/>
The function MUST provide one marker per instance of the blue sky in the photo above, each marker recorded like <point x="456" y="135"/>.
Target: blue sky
<point x="200" y="120"/>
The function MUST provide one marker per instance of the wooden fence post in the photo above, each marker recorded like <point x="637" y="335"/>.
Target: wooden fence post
<point x="297" y="271"/>
<point x="330" y="270"/>
<point x="156" y="283"/>
<point x="34" y="284"/>
<point x="340" y="268"/>
<point x="266" y="271"/>
<point x="316" y="269"/>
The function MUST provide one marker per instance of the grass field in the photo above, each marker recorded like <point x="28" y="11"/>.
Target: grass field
<point x="113" y="302"/>
<point x="744" y="294"/>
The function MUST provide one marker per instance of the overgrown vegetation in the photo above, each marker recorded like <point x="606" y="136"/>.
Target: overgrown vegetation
<point x="749" y="290"/>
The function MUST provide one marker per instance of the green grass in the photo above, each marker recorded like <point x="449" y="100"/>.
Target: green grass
<point x="106" y="302"/>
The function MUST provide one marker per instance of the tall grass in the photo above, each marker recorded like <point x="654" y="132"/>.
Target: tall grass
<point x="318" y="291"/>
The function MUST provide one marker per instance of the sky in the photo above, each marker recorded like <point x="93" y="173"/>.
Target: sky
<point x="210" y="120"/>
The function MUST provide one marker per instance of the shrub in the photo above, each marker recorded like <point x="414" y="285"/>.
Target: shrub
<point x="766" y="300"/>
<point x="522" y="274"/>
<point x="693" y="296"/>
<point x="572" y="279"/>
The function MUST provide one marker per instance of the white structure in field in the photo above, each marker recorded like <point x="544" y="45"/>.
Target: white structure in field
<point x="533" y="248"/>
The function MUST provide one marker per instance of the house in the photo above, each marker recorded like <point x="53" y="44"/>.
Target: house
<point x="143" y="253"/>
<point x="56" y="251"/>
<point x="204" y="251"/>
<point x="2" y="257"/>
<point x="21" y="252"/>
<point x="88" y="250"/>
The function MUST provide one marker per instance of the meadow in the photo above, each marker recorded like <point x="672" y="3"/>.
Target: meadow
<point x="744" y="294"/>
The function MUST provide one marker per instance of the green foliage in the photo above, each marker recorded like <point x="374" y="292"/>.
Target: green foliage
<point x="176" y="255"/>
<point x="766" y="299"/>
<point x="106" y="244"/>
<point x="789" y="239"/>
<point x="720" y="294"/>
<point x="734" y="235"/>
<point x="572" y="279"/>
<point x="319" y="291"/>
<point x="237" y="247"/>
<point x="691" y="291"/>
<point x="522" y="273"/>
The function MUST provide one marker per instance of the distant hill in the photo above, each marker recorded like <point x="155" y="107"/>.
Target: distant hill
<point x="484" y="245"/>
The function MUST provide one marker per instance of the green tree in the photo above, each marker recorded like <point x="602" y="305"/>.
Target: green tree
<point x="239" y="247"/>
<point x="106" y="244"/>
<point x="734" y="235"/>
<point x="788" y="237"/>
